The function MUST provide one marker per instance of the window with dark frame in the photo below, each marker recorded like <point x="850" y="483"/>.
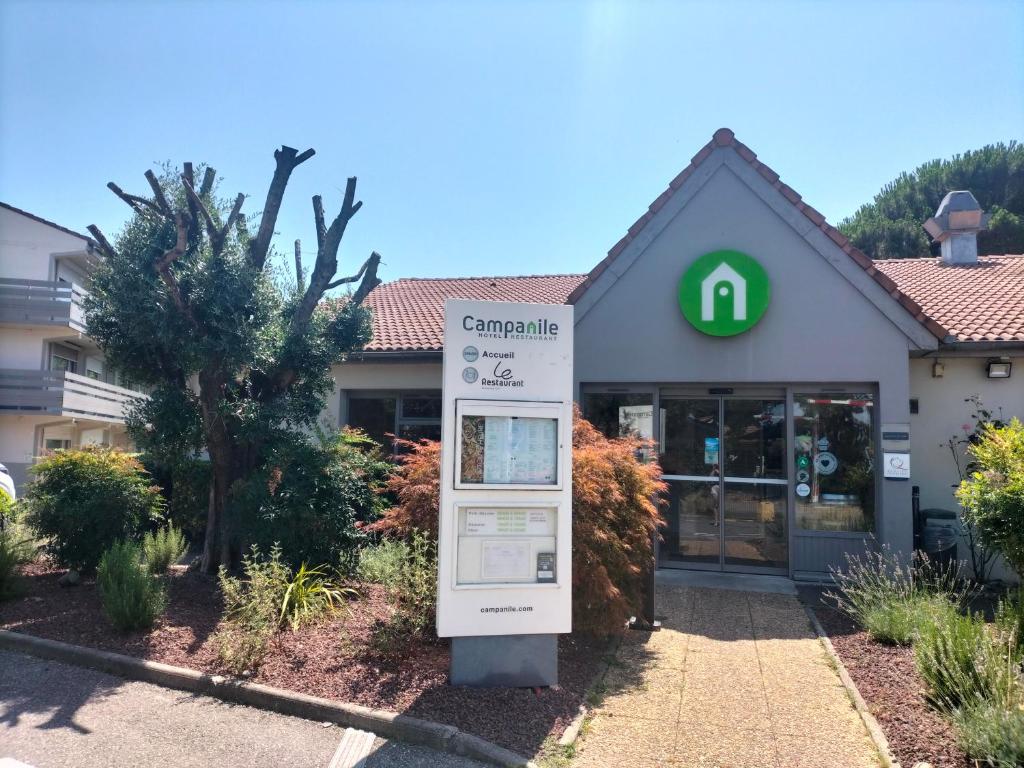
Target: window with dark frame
<point x="412" y="416"/>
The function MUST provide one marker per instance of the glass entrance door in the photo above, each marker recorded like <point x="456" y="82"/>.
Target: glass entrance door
<point x="724" y="460"/>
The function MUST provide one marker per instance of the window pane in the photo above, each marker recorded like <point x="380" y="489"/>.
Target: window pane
<point x="421" y="406"/>
<point x="834" y="474"/>
<point x="755" y="524"/>
<point x="692" y="533"/>
<point x="618" y="415"/>
<point x="415" y="432"/>
<point x="755" y="438"/>
<point x="691" y="439"/>
<point x="374" y="415"/>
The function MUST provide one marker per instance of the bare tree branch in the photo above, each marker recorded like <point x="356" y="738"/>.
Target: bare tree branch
<point x="193" y="226"/>
<point x="287" y="160"/>
<point x="299" y="279"/>
<point x="197" y="204"/>
<point x="208" y="178"/>
<point x="370" y="279"/>
<point x="136" y="203"/>
<point x="158" y="194"/>
<point x="356" y="276"/>
<point x="163" y="265"/>
<point x="318" y="219"/>
<point x="105" y="246"/>
<point x="236" y="211"/>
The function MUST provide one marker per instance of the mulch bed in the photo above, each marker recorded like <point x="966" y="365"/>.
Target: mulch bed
<point x="887" y="679"/>
<point x="332" y="659"/>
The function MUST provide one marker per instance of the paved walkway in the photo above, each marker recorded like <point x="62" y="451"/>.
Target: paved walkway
<point x="734" y="679"/>
<point x="54" y="715"/>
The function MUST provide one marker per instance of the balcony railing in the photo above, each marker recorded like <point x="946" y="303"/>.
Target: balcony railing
<point x="41" y="302"/>
<point x="63" y="393"/>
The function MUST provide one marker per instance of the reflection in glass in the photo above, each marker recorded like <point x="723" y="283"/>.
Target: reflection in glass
<point x="755" y="525"/>
<point x="374" y="415"/>
<point x="834" y="473"/>
<point x="692" y="532"/>
<point x="620" y="414"/>
<point x="755" y="438"/>
<point x="691" y="444"/>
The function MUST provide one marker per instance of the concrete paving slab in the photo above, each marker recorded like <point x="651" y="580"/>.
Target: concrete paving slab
<point x="757" y="689"/>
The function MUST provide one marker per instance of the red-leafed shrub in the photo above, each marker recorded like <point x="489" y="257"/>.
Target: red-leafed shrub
<point x="416" y="484"/>
<point x="615" y="513"/>
<point x="614" y="517"/>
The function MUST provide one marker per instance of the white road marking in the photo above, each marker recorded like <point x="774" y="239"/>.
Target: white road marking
<point x="353" y="749"/>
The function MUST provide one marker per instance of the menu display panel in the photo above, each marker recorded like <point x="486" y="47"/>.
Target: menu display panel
<point x="502" y="544"/>
<point x="508" y="450"/>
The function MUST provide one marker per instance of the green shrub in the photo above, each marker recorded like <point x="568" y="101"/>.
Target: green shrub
<point x="954" y="657"/>
<point x="15" y="551"/>
<point x="993" y="496"/>
<point x="414" y="595"/>
<point x="83" y="501"/>
<point x="1009" y="621"/>
<point x="264" y="599"/>
<point x="8" y="509"/>
<point x="162" y="548"/>
<point x="892" y="598"/>
<point x="311" y="499"/>
<point x="132" y="598"/>
<point x="992" y="734"/>
<point x="309" y="596"/>
<point x="898" y="622"/>
<point x="252" y="607"/>
<point x="383" y="563"/>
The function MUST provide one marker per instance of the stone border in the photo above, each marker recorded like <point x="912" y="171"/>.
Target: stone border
<point x="572" y="731"/>
<point x="874" y="729"/>
<point x="392" y="725"/>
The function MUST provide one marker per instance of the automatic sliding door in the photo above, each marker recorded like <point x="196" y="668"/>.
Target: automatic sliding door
<point x="690" y="463"/>
<point x="754" y="507"/>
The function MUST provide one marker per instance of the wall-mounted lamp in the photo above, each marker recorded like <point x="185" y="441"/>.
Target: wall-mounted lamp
<point x="998" y="368"/>
<point x="938" y="370"/>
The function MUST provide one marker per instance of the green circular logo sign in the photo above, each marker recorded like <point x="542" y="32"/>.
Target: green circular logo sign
<point x="724" y="293"/>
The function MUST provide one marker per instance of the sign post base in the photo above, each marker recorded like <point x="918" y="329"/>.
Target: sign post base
<point x="505" y="661"/>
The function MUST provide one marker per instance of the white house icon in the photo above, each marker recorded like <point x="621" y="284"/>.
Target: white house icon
<point x="723" y="274"/>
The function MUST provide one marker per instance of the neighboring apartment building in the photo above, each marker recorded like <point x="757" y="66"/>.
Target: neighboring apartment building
<point x="56" y="390"/>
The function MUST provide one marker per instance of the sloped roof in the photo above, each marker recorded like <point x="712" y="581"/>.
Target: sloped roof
<point x="724" y="137"/>
<point x="48" y="223"/>
<point x="976" y="302"/>
<point x="408" y="314"/>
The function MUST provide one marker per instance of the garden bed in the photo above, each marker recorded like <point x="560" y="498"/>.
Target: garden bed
<point x="888" y="680"/>
<point x="333" y="659"/>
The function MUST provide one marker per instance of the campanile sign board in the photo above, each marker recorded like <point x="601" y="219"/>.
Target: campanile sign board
<point x="504" y="550"/>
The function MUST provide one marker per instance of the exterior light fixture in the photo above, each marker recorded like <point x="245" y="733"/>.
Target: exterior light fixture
<point x="998" y="368"/>
<point x="938" y="370"/>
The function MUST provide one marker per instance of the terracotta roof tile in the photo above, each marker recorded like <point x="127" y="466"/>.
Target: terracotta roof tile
<point x="408" y="314"/>
<point x="976" y="302"/>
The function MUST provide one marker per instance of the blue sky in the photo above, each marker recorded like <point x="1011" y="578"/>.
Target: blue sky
<point x="491" y="138"/>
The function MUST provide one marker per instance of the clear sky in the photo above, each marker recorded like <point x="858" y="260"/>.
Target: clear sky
<point x="491" y="138"/>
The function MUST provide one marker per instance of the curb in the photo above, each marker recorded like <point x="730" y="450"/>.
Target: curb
<point x="572" y="731"/>
<point x="874" y="729"/>
<point x="391" y="725"/>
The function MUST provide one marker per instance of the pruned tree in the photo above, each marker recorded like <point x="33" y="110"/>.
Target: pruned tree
<point x="184" y="303"/>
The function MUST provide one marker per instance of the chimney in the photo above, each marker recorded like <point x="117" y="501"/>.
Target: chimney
<point x="956" y="226"/>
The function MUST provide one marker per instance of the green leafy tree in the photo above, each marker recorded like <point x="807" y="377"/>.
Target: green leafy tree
<point x="184" y="303"/>
<point x="993" y="495"/>
<point x="892" y="225"/>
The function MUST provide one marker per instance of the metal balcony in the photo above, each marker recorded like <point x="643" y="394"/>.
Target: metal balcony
<point x="62" y="393"/>
<point x="41" y="302"/>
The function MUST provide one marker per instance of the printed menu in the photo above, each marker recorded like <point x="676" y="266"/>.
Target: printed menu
<point x="520" y="450"/>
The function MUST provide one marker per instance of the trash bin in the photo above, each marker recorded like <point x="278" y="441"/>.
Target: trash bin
<point x="941" y="531"/>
